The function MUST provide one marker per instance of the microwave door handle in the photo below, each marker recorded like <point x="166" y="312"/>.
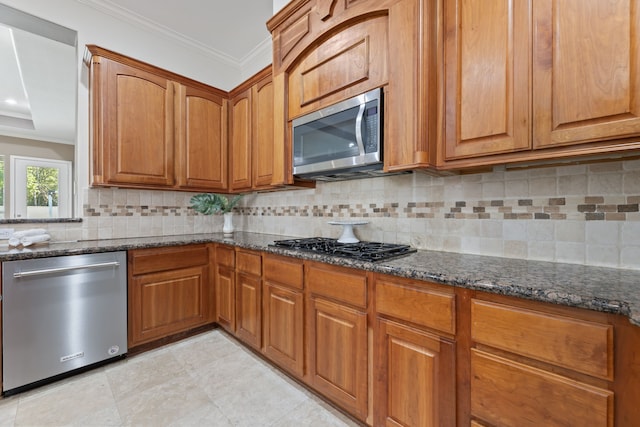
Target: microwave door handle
<point x="359" y="129"/>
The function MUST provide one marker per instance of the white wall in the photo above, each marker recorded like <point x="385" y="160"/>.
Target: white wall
<point x="278" y="4"/>
<point x="94" y="27"/>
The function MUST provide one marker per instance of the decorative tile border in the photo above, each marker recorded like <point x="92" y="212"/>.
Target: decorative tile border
<point x="140" y="211"/>
<point x="556" y="208"/>
<point x="590" y="208"/>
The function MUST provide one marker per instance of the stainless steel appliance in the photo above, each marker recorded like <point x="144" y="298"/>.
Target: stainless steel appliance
<point x="340" y="141"/>
<point x="365" y="251"/>
<point x="61" y="314"/>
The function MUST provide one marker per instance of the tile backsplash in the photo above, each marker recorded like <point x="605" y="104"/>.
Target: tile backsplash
<point x="584" y="214"/>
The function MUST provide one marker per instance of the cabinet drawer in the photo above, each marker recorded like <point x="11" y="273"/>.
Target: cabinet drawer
<point x="425" y="307"/>
<point x="249" y="262"/>
<point x="578" y="345"/>
<point x="339" y="283"/>
<point x="284" y="270"/>
<point x="504" y="392"/>
<point x="144" y="261"/>
<point x="225" y="255"/>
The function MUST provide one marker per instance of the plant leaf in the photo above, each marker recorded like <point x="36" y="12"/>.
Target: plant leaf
<point x="210" y="203"/>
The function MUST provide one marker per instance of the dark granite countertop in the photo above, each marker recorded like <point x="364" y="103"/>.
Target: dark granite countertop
<point x="596" y="288"/>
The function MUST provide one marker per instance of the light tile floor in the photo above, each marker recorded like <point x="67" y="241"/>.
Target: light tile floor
<point x="206" y="380"/>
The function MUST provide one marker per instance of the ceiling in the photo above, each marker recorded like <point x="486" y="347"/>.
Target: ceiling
<point x="228" y="29"/>
<point x="33" y="104"/>
<point x="42" y="105"/>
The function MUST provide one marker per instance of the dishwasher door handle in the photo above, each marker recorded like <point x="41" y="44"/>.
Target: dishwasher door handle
<point x="44" y="271"/>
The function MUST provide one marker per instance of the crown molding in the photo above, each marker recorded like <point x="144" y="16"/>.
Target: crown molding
<point x="126" y="15"/>
<point x="265" y="47"/>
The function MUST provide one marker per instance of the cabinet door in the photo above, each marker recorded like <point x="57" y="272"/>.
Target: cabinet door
<point x="225" y="297"/>
<point x="283" y="327"/>
<point x="351" y="62"/>
<point x="202" y="139"/>
<point x="486" y="77"/>
<point x="248" y="309"/>
<point x="137" y="127"/>
<point x="240" y="142"/>
<point x="415" y="378"/>
<point x="167" y="302"/>
<point x="586" y="71"/>
<point x="338" y="361"/>
<point x="262" y="133"/>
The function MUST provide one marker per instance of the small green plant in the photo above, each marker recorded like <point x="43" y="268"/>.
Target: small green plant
<point x="211" y="204"/>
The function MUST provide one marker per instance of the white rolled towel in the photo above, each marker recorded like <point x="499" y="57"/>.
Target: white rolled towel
<point x="30" y="232"/>
<point x="30" y="240"/>
<point x="14" y="241"/>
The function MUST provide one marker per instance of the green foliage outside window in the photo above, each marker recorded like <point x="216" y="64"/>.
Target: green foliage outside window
<point x="42" y="182"/>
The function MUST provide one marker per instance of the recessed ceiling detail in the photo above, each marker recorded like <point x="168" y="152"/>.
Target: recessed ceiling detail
<point x="14" y="102"/>
<point x="40" y="75"/>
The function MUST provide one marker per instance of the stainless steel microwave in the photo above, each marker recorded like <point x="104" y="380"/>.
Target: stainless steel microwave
<point x="341" y="141"/>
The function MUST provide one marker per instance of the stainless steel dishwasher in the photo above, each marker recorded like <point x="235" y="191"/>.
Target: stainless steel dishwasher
<point x="61" y="314"/>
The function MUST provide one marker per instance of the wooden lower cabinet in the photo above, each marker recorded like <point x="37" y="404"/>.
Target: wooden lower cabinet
<point x="337" y="330"/>
<point x="509" y="393"/>
<point x="283" y="327"/>
<point x="393" y="351"/>
<point x="248" y="297"/>
<point x="414" y="353"/>
<point x="533" y="364"/>
<point x="414" y="377"/>
<point x="338" y="361"/>
<point x="578" y="345"/>
<point x="225" y="288"/>
<point x="283" y="313"/>
<point x="169" y="292"/>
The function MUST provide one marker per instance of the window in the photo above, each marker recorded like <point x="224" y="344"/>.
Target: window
<point x="40" y="188"/>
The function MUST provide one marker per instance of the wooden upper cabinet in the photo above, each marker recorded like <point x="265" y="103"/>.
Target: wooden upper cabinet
<point x="202" y="139"/>
<point x="240" y="141"/>
<point x="539" y="80"/>
<point x="586" y="71"/>
<point x="327" y="51"/>
<point x="486" y="77"/>
<point x="262" y="132"/>
<point x="151" y="128"/>
<point x="349" y="62"/>
<point x="133" y="145"/>
<point x="251" y="161"/>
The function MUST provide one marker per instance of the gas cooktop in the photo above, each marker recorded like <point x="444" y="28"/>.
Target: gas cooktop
<point x="365" y="251"/>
